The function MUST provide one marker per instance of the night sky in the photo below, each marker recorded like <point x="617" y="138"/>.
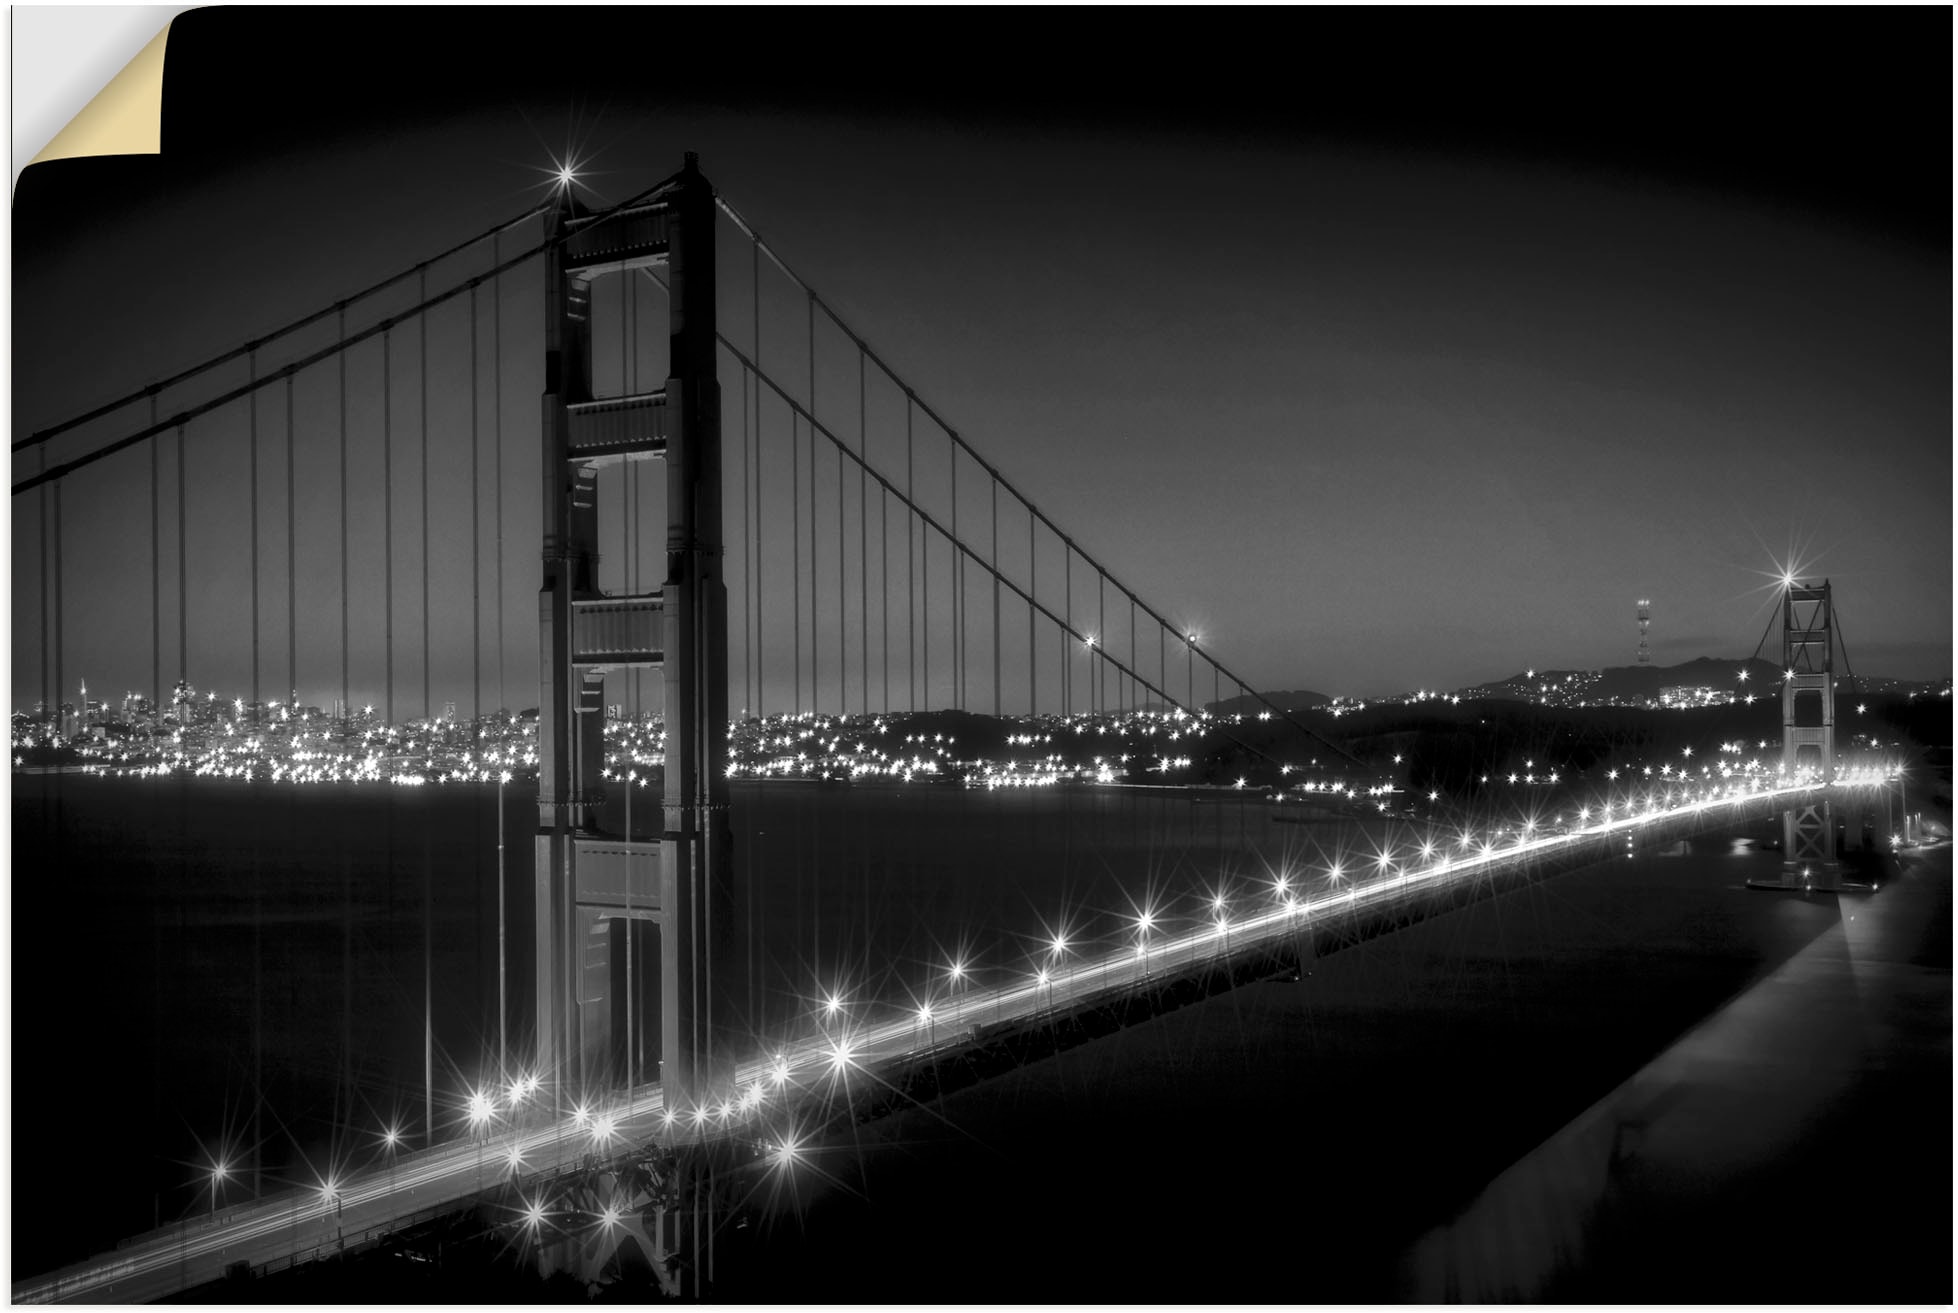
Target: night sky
<point x="1388" y="349"/>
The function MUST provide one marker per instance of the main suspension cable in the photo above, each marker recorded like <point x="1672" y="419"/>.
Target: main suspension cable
<point x="257" y="344"/>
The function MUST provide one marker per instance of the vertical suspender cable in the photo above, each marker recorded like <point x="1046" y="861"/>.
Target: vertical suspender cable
<point x="863" y="532"/>
<point x="754" y="290"/>
<point x="815" y="560"/>
<point x="910" y="590"/>
<point x="475" y="535"/>
<point x="958" y="593"/>
<point x="292" y="594"/>
<point x="815" y="589"/>
<point x="757" y="997"/>
<point x="795" y="554"/>
<point x="428" y="862"/>
<point x="502" y="702"/>
<point x="476" y="662"/>
<point x="57" y="609"/>
<point x="842" y="601"/>
<point x="183" y="584"/>
<point x="421" y="369"/>
<point x="50" y="699"/>
<point x="747" y="567"/>
<point x="1033" y="588"/>
<point x="346" y="859"/>
<point x="387" y="515"/>
<point x="346" y="677"/>
<point x="761" y="674"/>
<point x="496" y="464"/>
<point x="156" y="586"/>
<point x="252" y="438"/>
<point x="999" y="708"/>
<point x="291" y="697"/>
<point x="884" y="586"/>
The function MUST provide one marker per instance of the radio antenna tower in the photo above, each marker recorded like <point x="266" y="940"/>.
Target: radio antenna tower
<point x="1644" y="626"/>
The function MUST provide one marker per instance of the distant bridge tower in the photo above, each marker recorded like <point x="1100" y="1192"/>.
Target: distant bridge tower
<point x="594" y="889"/>
<point x="1808" y="746"/>
<point x="1644" y="626"/>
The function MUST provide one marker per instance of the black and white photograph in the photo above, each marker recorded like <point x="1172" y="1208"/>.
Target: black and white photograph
<point x="998" y="655"/>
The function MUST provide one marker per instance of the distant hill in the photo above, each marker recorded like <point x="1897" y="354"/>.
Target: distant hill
<point x="1631" y="684"/>
<point x="1249" y="704"/>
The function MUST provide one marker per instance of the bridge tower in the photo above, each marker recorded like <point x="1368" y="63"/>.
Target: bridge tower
<point x="1808" y="746"/>
<point x="593" y="887"/>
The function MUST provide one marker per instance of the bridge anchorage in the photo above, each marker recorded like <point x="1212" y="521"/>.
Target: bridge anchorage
<point x="597" y="893"/>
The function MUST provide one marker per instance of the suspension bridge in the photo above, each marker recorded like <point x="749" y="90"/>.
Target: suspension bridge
<point x="333" y="496"/>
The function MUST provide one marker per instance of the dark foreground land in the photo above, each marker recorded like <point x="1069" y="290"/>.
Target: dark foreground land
<point x="1639" y="1082"/>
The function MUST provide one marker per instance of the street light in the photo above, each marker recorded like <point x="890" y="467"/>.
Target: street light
<point x="957" y="975"/>
<point x="391" y="1140"/>
<point x="1059" y="950"/>
<point x="480" y="1112"/>
<point x="330" y="1194"/>
<point x="1143" y="923"/>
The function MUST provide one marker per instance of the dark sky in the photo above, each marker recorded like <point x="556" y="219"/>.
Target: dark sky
<point x="1388" y="349"/>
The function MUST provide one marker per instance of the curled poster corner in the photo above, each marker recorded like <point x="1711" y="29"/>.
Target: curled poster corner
<point x="124" y="118"/>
